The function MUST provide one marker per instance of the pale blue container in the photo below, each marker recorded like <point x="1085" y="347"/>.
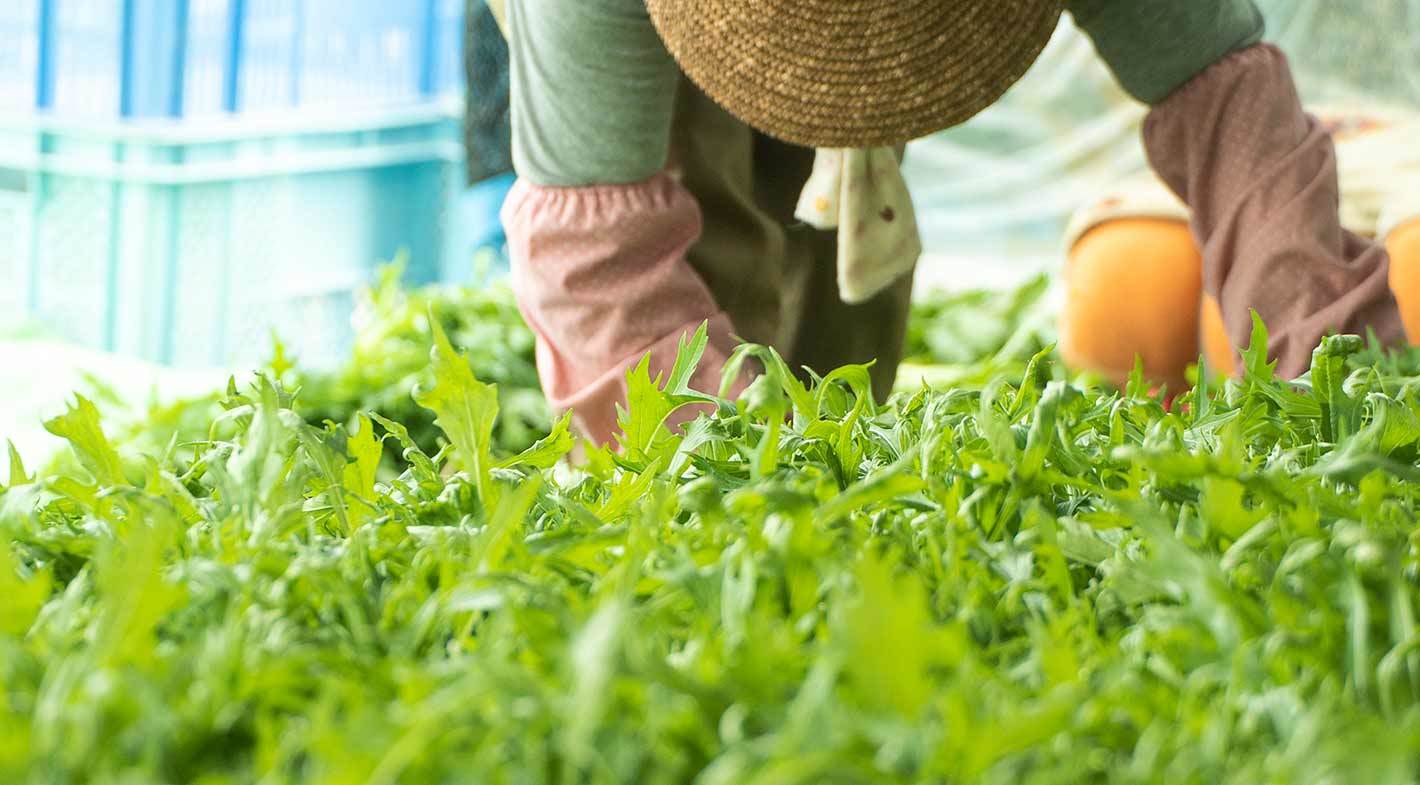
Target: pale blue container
<point x="189" y="245"/>
<point x="179" y="179"/>
<point x="186" y="58"/>
<point x="478" y="247"/>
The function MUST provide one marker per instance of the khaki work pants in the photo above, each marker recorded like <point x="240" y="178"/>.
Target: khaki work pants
<point x="776" y="277"/>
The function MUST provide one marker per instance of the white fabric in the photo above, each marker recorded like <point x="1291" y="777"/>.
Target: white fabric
<point x="862" y="194"/>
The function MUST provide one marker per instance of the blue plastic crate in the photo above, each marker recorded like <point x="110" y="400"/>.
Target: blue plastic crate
<point x="189" y="244"/>
<point x="477" y="245"/>
<point x="184" y="58"/>
<point x="19" y="55"/>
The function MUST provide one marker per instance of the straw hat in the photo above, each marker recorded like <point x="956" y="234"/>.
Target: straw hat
<point x="855" y="73"/>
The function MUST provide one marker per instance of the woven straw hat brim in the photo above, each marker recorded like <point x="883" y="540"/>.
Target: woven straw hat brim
<point x="855" y="73"/>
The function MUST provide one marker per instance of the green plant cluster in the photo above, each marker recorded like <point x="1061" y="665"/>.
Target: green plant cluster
<point x="387" y="360"/>
<point x="1024" y="581"/>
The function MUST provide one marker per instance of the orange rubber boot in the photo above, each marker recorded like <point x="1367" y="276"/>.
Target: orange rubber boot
<point x="1217" y="346"/>
<point x="1133" y="288"/>
<point x="1404" y="247"/>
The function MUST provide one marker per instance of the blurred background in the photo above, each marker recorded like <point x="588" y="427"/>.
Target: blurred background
<point x="183" y="180"/>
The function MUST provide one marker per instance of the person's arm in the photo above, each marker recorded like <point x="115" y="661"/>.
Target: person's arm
<point x="597" y="229"/>
<point x="1227" y="132"/>
<point x="1154" y="47"/>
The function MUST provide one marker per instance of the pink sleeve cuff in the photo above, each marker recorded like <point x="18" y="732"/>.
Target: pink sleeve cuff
<point x="602" y="278"/>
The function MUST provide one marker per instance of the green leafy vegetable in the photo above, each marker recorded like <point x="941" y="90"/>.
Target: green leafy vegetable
<point x="1017" y="578"/>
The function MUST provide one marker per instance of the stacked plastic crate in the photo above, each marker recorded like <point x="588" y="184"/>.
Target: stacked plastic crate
<point x="181" y="178"/>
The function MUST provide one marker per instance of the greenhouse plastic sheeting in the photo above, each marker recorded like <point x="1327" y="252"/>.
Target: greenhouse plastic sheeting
<point x="1001" y="188"/>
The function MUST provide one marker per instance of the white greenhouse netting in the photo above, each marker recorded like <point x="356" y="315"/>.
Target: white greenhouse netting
<point x="995" y="194"/>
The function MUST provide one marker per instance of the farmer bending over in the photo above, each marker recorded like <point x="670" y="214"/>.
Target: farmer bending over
<point x="736" y="162"/>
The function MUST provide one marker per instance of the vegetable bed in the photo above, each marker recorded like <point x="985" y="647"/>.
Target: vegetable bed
<point x="1019" y="578"/>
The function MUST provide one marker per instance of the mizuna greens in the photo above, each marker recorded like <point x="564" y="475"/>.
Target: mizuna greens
<point x="388" y="359"/>
<point x="1022" y="580"/>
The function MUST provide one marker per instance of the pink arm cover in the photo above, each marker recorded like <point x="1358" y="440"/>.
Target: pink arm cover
<point x="601" y="276"/>
<point x="1260" y="177"/>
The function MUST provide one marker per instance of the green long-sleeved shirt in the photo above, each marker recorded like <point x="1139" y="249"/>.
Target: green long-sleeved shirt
<point x="1155" y="46"/>
<point x="593" y="86"/>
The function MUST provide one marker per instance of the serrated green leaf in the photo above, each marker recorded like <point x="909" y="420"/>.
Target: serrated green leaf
<point x="1255" y="361"/>
<point x="365" y="452"/>
<point x="465" y="408"/>
<point x="80" y="426"/>
<point x="18" y="476"/>
<point x="687" y="359"/>
<point x="549" y="450"/>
